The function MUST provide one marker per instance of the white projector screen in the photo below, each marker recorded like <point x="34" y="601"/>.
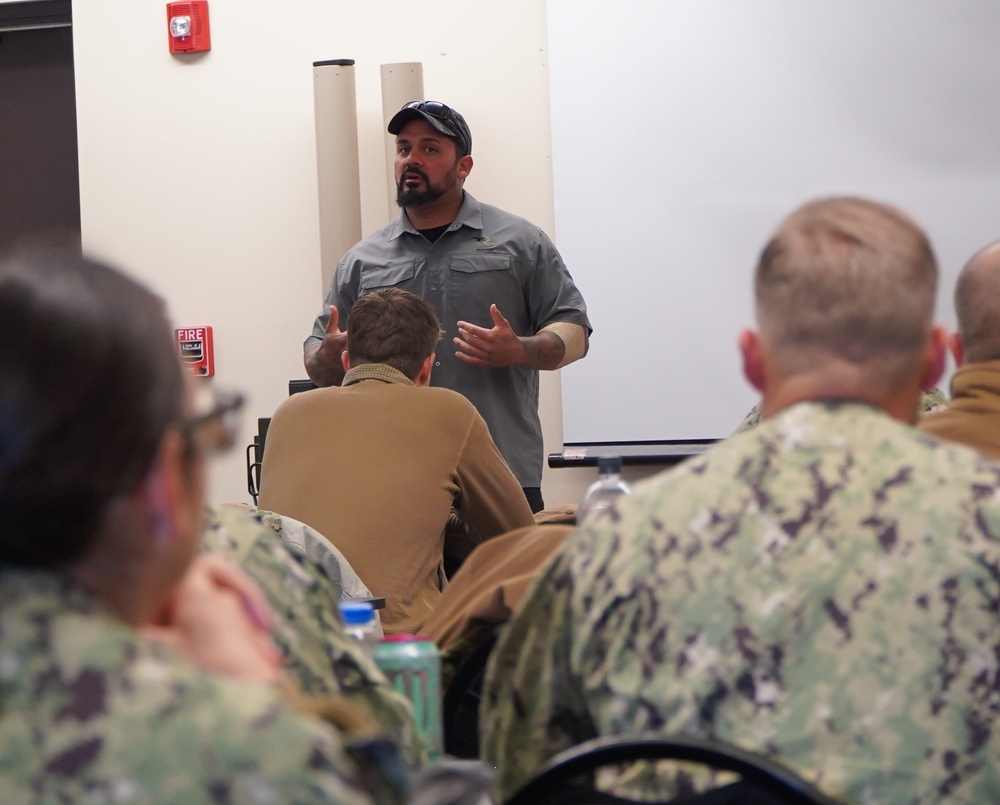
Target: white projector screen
<point x="684" y="130"/>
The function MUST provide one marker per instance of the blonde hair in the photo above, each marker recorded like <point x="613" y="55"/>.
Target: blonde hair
<point x="847" y="280"/>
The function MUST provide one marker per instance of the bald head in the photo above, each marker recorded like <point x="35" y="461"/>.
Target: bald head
<point x="977" y="305"/>
<point x="847" y="282"/>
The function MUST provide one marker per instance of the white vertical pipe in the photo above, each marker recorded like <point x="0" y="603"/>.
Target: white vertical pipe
<point x="401" y="83"/>
<point x="336" y="113"/>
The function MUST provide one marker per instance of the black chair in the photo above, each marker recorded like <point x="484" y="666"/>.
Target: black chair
<point x="460" y="706"/>
<point x="255" y="450"/>
<point x="255" y="458"/>
<point x="762" y="781"/>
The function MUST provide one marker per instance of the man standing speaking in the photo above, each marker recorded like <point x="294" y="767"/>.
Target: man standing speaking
<point x="497" y="282"/>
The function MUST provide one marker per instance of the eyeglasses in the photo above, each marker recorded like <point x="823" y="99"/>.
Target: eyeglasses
<point x="215" y="429"/>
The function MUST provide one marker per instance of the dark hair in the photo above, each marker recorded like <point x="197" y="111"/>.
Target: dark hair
<point x="394" y="327"/>
<point x="89" y="384"/>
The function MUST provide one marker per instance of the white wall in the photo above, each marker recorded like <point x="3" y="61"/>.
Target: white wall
<point x="198" y="173"/>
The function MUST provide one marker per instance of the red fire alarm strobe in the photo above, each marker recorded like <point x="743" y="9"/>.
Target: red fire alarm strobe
<point x="195" y="347"/>
<point x="187" y="27"/>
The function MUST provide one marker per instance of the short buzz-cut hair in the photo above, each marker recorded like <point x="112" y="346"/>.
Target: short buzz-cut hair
<point x="847" y="279"/>
<point x="393" y="327"/>
<point x="977" y="305"/>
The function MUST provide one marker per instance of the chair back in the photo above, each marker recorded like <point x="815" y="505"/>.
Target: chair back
<point x="762" y="780"/>
<point x="255" y="458"/>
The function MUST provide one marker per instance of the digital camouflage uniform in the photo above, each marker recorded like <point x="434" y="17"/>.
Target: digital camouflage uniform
<point x="95" y="713"/>
<point x="319" y="655"/>
<point x="307" y="541"/>
<point x="932" y="400"/>
<point x="824" y="589"/>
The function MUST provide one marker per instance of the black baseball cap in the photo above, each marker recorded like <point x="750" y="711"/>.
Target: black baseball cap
<point x="440" y="116"/>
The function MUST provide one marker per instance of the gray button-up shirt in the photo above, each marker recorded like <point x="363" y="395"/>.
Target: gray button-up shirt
<point x="487" y="256"/>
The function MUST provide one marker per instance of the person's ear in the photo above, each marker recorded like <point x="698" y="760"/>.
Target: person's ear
<point x="161" y="491"/>
<point x="753" y="360"/>
<point x="423" y="377"/>
<point x="934" y="358"/>
<point x="465" y="166"/>
<point x="345" y="360"/>
<point x="957" y="348"/>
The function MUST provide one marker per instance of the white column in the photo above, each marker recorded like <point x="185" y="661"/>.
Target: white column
<point x="401" y="83"/>
<point x="335" y="103"/>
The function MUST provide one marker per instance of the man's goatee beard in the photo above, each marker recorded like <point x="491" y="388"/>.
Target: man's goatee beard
<point x="406" y="197"/>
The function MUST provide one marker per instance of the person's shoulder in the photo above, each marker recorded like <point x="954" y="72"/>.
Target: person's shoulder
<point x="866" y="431"/>
<point x="931" y="401"/>
<point x="255" y="539"/>
<point x="750" y="421"/>
<point x="220" y="730"/>
<point x="371" y="249"/>
<point x="293" y="562"/>
<point x="306" y="401"/>
<point x="728" y="468"/>
<point x="52" y="630"/>
<point x="690" y="485"/>
<point x="448" y="401"/>
<point x="235" y="529"/>
<point x="862" y="437"/>
<point x="377" y="238"/>
<point x="135" y="713"/>
<point x="954" y="461"/>
<point x="495" y="217"/>
<point x="226" y="710"/>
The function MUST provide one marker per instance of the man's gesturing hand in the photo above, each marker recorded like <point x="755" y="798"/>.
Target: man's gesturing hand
<point x="496" y="347"/>
<point x="334" y="339"/>
<point x="322" y="359"/>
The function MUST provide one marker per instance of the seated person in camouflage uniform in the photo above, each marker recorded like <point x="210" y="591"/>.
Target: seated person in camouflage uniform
<point x="319" y="656"/>
<point x="822" y="589"/>
<point x="973" y="416"/>
<point x="306" y="541"/>
<point x="131" y="669"/>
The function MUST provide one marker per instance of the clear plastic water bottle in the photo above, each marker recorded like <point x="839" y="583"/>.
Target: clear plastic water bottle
<point x="359" y="623"/>
<point x="605" y="490"/>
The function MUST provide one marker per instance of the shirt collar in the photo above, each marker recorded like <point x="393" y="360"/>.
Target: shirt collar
<point x="376" y="371"/>
<point x="470" y="214"/>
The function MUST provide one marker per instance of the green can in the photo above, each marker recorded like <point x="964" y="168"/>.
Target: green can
<point x="413" y="666"/>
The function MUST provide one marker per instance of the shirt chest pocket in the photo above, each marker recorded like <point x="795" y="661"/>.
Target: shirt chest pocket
<point x="483" y="264"/>
<point x="481" y="280"/>
<point x="390" y="276"/>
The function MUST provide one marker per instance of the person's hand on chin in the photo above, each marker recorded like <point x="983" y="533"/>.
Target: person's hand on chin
<point x="219" y="620"/>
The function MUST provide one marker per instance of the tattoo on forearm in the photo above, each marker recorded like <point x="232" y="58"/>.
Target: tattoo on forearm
<point x="544" y="351"/>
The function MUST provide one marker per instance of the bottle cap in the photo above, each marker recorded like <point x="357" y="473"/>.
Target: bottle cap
<point x="356" y="613"/>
